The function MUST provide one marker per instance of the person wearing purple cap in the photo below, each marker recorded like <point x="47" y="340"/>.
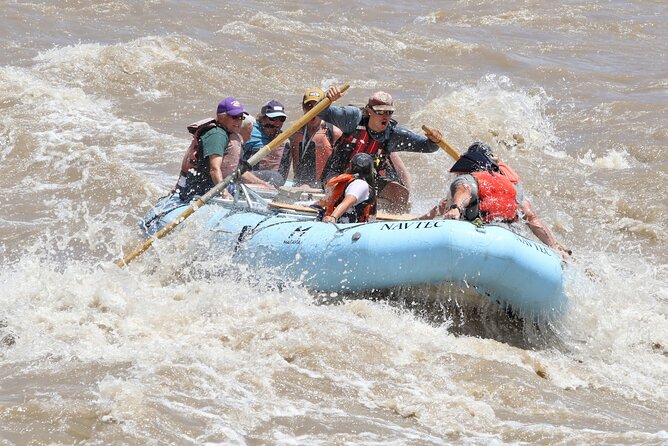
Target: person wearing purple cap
<point x="214" y="151"/>
<point x="372" y="130"/>
<point x="272" y="168"/>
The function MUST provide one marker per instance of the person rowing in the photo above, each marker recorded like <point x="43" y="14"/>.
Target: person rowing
<point x="351" y="197"/>
<point x="311" y="146"/>
<point x="484" y="191"/>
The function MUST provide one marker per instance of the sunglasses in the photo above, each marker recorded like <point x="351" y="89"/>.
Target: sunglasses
<point x="279" y="118"/>
<point x="382" y="112"/>
<point x="309" y="105"/>
<point x="240" y="117"/>
<point x="271" y="126"/>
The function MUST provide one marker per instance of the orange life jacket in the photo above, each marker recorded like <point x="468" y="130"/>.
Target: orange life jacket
<point x="309" y="161"/>
<point x="508" y="172"/>
<point x="336" y="189"/>
<point x="496" y="197"/>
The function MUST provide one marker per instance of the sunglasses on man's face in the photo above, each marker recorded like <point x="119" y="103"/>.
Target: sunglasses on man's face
<point x="382" y="112"/>
<point x="271" y="126"/>
<point x="278" y="118"/>
<point x="240" y="117"/>
<point x="309" y="105"/>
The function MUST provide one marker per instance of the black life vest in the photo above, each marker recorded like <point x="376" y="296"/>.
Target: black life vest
<point x="195" y="177"/>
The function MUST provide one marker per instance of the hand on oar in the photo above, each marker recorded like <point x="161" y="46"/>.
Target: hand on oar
<point x="441" y="142"/>
<point x="434" y="135"/>
<point x="243" y="167"/>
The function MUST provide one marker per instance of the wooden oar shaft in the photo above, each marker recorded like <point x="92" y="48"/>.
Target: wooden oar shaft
<point x="297" y="125"/>
<point x="264" y="151"/>
<point x="309" y="210"/>
<point x="444" y="145"/>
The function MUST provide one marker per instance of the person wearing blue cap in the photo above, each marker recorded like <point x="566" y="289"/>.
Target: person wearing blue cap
<point x="272" y="168"/>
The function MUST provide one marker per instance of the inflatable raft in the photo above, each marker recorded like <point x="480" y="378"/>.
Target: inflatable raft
<point x="504" y="267"/>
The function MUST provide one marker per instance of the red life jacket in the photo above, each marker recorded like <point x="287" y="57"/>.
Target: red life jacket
<point x="508" y="172"/>
<point x="321" y="142"/>
<point x="363" y="142"/>
<point x="496" y="197"/>
<point x="336" y="189"/>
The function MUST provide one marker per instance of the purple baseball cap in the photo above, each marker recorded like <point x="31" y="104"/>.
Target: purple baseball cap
<point x="231" y="106"/>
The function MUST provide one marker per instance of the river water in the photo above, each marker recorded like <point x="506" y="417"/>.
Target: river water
<point x="187" y="348"/>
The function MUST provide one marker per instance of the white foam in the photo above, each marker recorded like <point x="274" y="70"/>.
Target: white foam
<point x="613" y="159"/>
<point x="492" y="110"/>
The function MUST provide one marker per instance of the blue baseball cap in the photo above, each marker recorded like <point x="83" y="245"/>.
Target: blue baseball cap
<point x="231" y="106"/>
<point x="273" y="109"/>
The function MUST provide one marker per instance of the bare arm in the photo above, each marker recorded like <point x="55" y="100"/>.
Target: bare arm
<point x="215" y="168"/>
<point x="541" y="231"/>
<point x="461" y="198"/>
<point x="348" y="202"/>
<point x="399" y="166"/>
<point x="250" y="178"/>
<point x="437" y="210"/>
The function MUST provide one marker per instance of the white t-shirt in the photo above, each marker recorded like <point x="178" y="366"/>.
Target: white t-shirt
<point x="358" y="188"/>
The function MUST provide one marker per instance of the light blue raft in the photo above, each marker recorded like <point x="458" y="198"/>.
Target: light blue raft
<point x="504" y="267"/>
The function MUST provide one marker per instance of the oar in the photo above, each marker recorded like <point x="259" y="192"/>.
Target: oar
<point x="444" y="145"/>
<point x="310" y="210"/>
<point x="243" y="167"/>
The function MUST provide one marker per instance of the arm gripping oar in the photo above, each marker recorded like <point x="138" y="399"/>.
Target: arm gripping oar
<point x="243" y="167"/>
<point x="444" y="145"/>
<point x="540" y="230"/>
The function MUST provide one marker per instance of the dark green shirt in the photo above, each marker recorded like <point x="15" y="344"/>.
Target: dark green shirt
<point x="214" y="142"/>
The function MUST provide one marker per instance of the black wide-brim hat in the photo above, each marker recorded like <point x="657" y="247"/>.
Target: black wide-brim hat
<point x="474" y="162"/>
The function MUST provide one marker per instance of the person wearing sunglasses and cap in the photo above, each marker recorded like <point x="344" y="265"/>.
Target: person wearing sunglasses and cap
<point x="311" y="146"/>
<point x="483" y="190"/>
<point x="273" y="168"/>
<point x="372" y="130"/>
<point x="214" y="150"/>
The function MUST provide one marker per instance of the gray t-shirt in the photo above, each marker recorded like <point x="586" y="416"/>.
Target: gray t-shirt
<point x="470" y="181"/>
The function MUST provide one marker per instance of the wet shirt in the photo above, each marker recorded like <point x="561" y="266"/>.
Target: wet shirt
<point x="214" y="142"/>
<point x="394" y="138"/>
<point x="470" y="181"/>
<point x="257" y="140"/>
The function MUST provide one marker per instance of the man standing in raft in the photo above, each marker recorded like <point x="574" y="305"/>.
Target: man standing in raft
<point x="372" y="130"/>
